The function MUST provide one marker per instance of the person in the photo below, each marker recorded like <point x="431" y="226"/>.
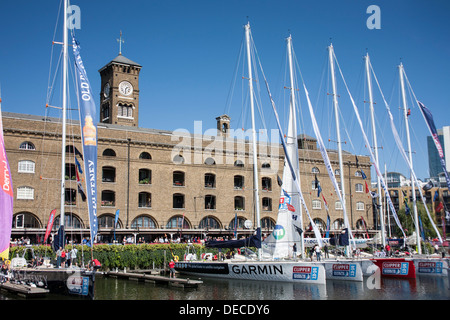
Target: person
<point x="172" y="269"/>
<point x="318" y="252"/>
<point x="73" y="255"/>
<point x="325" y="249"/>
<point x="63" y="258"/>
<point x="294" y="249"/>
<point x="311" y="253"/>
<point x="68" y="259"/>
<point x="388" y="250"/>
<point x="58" y="257"/>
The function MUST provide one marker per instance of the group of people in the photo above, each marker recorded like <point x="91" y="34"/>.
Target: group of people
<point x="66" y="258"/>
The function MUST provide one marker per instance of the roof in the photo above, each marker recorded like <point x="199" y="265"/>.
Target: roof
<point x="122" y="60"/>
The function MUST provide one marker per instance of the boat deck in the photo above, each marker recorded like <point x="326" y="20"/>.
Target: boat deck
<point x="23" y="290"/>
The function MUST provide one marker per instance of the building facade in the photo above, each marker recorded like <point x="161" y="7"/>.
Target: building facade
<point x="164" y="183"/>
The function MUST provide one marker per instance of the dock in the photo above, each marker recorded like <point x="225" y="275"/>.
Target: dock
<point x="23" y="290"/>
<point x="157" y="279"/>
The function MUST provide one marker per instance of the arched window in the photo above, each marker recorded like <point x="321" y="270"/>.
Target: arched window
<point x="266" y="184"/>
<point x="315" y="170"/>
<point x="239" y="222"/>
<point x="319" y="223"/>
<point x="109" y="153"/>
<point x="358" y="173"/>
<point x="209" y="222"/>
<point x="71" y="221"/>
<point x="145" y="200"/>
<point x="125" y="110"/>
<point x="267" y="223"/>
<point x="145" y="156"/>
<point x="143" y="222"/>
<point x="266" y="165"/>
<point x="178" y="222"/>
<point x="359" y="187"/>
<point x="27" y="146"/>
<point x="25" y="220"/>
<point x="106" y="221"/>
<point x="238" y="163"/>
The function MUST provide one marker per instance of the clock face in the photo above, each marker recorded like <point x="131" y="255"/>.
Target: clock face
<point x="125" y="88"/>
<point x="106" y="90"/>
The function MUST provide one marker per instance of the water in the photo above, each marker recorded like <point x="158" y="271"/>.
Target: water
<point x="422" y="288"/>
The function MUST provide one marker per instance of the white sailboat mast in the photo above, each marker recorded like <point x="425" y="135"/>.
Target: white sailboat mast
<point x="64" y="108"/>
<point x="375" y="146"/>
<point x="413" y="182"/>
<point x="255" y="156"/>
<point x="292" y="134"/>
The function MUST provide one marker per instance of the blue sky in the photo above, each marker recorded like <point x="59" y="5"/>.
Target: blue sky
<point x="189" y="49"/>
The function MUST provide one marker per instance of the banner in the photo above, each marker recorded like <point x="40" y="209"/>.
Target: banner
<point x="6" y="197"/>
<point x="432" y="128"/>
<point x="49" y="224"/>
<point x="88" y="123"/>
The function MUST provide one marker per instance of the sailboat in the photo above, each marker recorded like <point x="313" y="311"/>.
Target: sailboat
<point x="280" y="243"/>
<point x="71" y="281"/>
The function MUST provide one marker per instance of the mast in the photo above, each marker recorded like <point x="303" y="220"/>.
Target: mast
<point x="375" y="146"/>
<point x="413" y="191"/>
<point x="64" y="108"/>
<point x="338" y="133"/>
<point x="255" y="156"/>
<point x="292" y="134"/>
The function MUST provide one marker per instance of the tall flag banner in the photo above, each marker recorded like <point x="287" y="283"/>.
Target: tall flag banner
<point x="116" y="218"/>
<point x="88" y="123"/>
<point x="365" y="226"/>
<point x="6" y="197"/>
<point x="328" y="225"/>
<point x="51" y="219"/>
<point x="432" y="128"/>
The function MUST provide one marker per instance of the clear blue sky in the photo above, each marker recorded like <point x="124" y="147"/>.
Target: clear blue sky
<point x="189" y="49"/>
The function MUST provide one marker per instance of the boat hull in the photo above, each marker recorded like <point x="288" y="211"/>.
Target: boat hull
<point x="257" y="270"/>
<point x="63" y="281"/>
<point x="396" y="267"/>
<point x="431" y="267"/>
<point x="343" y="270"/>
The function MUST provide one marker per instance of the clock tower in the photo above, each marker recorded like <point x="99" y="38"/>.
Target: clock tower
<point x="119" y="95"/>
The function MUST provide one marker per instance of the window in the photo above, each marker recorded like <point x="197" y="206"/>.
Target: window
<point x="70" y="197"/>
<point x="210" y="202"/>
<point x="315" y="170"/>
<point x="240" y="223"/>
<point x="313" y="185"/>
<point x="143" y="222"/>
<point x="239" y="203"/>
<point x="360" y="206"/>
<point x="359" y="187"/>
<point x="145" y="200"/>
<point x="209" y="223"/>
<point x="108" y="174"/>
<point x="108" y="198"/>
<point x="26" y="166"/>
<point x="266" y="165"/>
<point x="177" y="222"/>
<point x="26" y="220"/>
<point x="338" y="205"/>
<point x="105" y="111"/>
<point x="178" y="178"/>
<point x="125" y="110"/>
<point x="145" y="176"/>
<point x="70" y="171"/>
<point x="338" y="224"/>
<point x="267" y="223"/>
<point x="145" y="156"/>
<point x="337" y="172"/>
<point x="210" y="180"/>
<point x="238" y="163"/>
<point x="210" y="161"/>
<point x="109" y="153"/>
<point x="25" y="193"/>
<point x="178" y="159"/>
<point x="266" y="204"/>
<point x="178" y="201"/>
<point x="106" y="221"/>
<point x="239" y="182"/>
<point x="358" y="173"/>
<point x="266" y="184"/>
<point x="316" y="204"/>
<point x="27" y="146"/>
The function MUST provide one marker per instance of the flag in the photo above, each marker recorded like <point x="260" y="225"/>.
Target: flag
<point x="407" y="210"/>
<point x="235" y="224"/>
<point x="279" y="181"/>
<point x="78" y="153"/>
<point x="367" y="187"/>
<point x="319" y="190"/>
<point x="88" y="126"/>
<point x="328" y="225"/>
<point x="290" y="207"/>
<point x="116" y="218"/>
<point x="325" y="202"/>
<point x="439" y="207"/>
<point x="422" y="233"/>
<point x="51" y="219"/>
<point x="78" y="165"/>
<point x="363" y="174"/>
<point x="357" y="162"/>
<point x="436" y="196"/>
<point x="286" y="194"/>
<point x="365" y="226"/>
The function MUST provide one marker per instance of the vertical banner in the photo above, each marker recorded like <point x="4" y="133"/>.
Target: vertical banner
<point x="88" y="123"/>
<point x="50" y="224"/>
<point x="6" y="197"/>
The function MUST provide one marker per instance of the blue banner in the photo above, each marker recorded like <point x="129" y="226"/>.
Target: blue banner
<point x="430" y="123"/>
<point x="88" y="124"/>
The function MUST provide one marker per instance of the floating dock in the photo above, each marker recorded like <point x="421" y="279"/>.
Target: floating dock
<point x="176" y="282"/>
<point x="23" y="290"/>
